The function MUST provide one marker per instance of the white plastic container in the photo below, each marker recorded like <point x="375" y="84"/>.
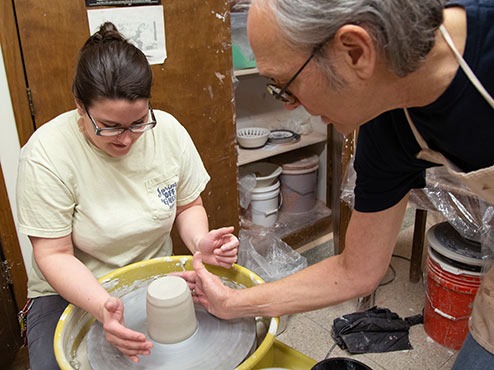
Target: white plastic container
<point x="299" y="183"/>
<point x="266" y="173"/>
<point x="265" y="203"/>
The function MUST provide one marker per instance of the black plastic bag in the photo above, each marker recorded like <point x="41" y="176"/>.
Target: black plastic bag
<point x="373" y="331"/>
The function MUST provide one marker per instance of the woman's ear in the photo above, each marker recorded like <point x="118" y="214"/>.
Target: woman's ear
<point x="80" y="107"/>
<point x="358" y="49"/>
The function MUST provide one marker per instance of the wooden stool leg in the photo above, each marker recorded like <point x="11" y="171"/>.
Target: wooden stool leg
<point x="417" y="245"/>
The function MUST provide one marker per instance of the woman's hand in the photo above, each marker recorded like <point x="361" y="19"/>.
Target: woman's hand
<point x="129" y="342"/>
<point x="219" y="247"/>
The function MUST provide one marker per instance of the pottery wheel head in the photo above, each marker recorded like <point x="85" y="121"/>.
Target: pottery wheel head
<point x="216" y="343"/>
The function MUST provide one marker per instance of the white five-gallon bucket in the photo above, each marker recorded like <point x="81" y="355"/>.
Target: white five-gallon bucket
<point x="299" y="183"/>
<point x="265" y="204"/>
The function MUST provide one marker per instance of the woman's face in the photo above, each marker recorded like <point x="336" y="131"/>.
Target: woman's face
<point x="114" y="113"/>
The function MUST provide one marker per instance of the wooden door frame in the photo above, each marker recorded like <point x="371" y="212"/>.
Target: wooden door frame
<point x="11" y="248"/>
<point x="14" y="69"/>
<point x="10" y="340"/>
<point x="12" y="57"/>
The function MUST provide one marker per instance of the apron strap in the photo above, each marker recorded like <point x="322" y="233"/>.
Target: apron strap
<point x="466" y="68"/>
<point x="416" y="133"/>
<point x="427" y="153"/>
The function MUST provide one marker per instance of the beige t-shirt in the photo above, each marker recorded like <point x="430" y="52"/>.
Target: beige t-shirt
<point x="118" y="210"/>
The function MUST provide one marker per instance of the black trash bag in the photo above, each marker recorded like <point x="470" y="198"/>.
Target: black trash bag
<point x="373" y="331"/>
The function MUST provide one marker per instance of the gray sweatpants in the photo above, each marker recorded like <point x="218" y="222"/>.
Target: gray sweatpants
<point x="42" y="321"/>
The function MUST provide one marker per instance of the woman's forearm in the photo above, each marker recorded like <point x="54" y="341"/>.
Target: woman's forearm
<point x="67" y="275"/>
<point x="192" y="224"/>
<point x="73" y="281"/>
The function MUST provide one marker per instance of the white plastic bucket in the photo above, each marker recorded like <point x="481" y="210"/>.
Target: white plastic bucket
<point x="298" y="181"/>
<point x="299" y="189"/>
<point x="265" y="204"/>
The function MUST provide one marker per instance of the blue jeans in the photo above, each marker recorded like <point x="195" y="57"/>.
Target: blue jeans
<point x="42" y="320"/>
<point x="472" y="356"/>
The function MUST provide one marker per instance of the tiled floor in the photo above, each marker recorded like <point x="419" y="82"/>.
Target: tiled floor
<point x="310" y="333"/>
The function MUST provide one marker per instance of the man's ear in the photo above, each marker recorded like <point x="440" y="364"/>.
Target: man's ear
<point x="357" y="48"/>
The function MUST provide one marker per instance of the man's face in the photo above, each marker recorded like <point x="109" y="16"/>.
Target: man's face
<point x="311" y="88"/>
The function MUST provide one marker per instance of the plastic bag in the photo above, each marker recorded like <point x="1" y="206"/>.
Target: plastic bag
<point x="299" y="122"/>
<point x="267" y="255"/>
<point x="347" y="194"/>
<point x="461" y="208"/>
<point x="246" y="184"/>
<point x="373" y="331"/>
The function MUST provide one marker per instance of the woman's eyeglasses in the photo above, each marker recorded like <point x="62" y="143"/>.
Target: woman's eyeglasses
<point x="115" y="131"/>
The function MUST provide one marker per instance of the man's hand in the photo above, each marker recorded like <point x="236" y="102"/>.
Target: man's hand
<point x="207" y="289"/>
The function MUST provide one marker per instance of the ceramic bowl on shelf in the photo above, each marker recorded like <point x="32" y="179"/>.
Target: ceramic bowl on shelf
<point x="252" y="137"/>
<point x="266" y="173"/>
<point x="283" y="136"/>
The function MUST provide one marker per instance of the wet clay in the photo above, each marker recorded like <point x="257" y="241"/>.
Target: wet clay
<point x="170" y="311"/>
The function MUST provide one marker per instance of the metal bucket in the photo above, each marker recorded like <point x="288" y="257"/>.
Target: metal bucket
<point x="74" y="324"/>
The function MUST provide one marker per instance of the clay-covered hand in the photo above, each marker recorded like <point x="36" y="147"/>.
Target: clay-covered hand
<point x="129" y="342"/>
<point x="219" y="247"/>
<point x="207" y="289"/>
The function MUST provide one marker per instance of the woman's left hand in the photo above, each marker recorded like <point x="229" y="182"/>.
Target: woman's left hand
<point x="219" y="247"/>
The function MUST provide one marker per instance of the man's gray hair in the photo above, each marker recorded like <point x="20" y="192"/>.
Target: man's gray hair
<point x="403" y="30"/>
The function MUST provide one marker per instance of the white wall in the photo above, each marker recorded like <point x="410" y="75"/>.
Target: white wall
<point x="9" y="154"/>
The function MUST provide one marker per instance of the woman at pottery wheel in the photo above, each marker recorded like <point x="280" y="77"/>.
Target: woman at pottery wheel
<point x="100" y="187"/>
<point x="416" y="79"/>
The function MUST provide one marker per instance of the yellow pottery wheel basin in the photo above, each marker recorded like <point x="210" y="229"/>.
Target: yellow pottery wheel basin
<point x="74" y="324"/>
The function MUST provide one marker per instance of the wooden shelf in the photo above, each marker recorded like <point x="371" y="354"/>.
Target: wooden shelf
<point x="246" y="156"/>
<point x="255" y="108"/>
<point x="245" y="72"/>
<point x="297" y="229"/>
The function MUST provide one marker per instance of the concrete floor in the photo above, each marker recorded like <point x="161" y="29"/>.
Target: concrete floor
<point x="310" y="333"/>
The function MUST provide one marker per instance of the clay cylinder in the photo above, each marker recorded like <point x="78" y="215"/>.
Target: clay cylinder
<point x="171" y="317"/>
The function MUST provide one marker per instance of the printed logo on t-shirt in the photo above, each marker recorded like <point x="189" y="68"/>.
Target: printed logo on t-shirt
<point x="167" y="194"/>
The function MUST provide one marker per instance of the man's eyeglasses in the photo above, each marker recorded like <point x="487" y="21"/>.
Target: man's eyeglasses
<point x="115" y="131"/>
<point x="282" y="93"/>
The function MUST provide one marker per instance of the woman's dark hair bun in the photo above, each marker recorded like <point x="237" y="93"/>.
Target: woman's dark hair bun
<point x="107" y="33"/>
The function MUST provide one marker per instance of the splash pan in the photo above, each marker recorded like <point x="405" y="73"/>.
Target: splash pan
<point x="73" y="343"/>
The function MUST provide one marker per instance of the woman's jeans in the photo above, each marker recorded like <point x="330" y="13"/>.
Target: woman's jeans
<point x="472" y="356"/>
<point x="42" y="320"/>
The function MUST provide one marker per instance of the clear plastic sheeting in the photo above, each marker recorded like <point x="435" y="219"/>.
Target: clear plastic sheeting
<point x="246" y="183"/>
<point x="472" y="217"/>
<point x="267" y="255"/>
<point x="460" y="207"/>
<point x="287" y="223"/>
<point x="299" y="122"/>
<point x="487" y="239"/>
<point x="347" y="194"/>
